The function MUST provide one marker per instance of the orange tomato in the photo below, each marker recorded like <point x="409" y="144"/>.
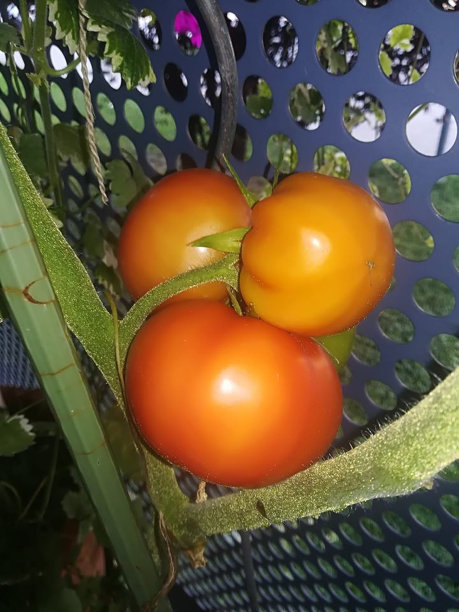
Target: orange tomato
<point x="319" y="256"/>
<point x="155" y="239"/>
<point x="232" y="399"/>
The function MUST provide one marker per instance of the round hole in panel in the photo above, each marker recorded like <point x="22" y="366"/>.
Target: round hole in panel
<point x="355" y="591"/>
<point x="75" y="187"/>
<point x="13" y="15"/>
<point x="413" y="241"/>
<point x="446" y="5"/>
<point x="57" y="96"/>
<point x="280" y="41"/>
<point x="408" y="556"/>
<point x="395" y="325"/>
<point x="450" y="504"/>
<point x="312" y="569"/>
<point x="199" y="131"/>
<point x="444" y="348"/>
<point x="434" y="297"/>
<point x="345" y="376"/>
<point x="448" y="585"/>
<point x="413" y="375"/>
<point x="332" y="538"/>
<point x="184" y="161"/>
<point x="445" y="197"/>
<point x="431" y="129"/>
<point x="19" y="60"/>
<point x="456" y="258"/>
<point x="322" y="593"/>
<point x="354" y="411"/>
<point x="175" y="81"/>
<point x="242" y="148"/>
<point x="112" y="78"/>
<point x="438" y="553"/>
<point x="257" y="96"/>
<point x="338" y="592"/>
<point x="78" y="101"/>
<point x="365" y="350"/>
<point x="89" y="69"/>
<point x="187" y="32"/>
<point x="127" y="147"/>
<point x="371" y="528"/>
<point x="57" y="59"/>
<point x="38" y="120"/>
<point x="389" y="180"/>
<point x="19" y="88"/>
<point x="2" y="58"/>
<point x="450" y="472"/>
<point x="5" y="112"/>
<point x="372" y="3"/>
<point x="363" y="563"/>
<point x="384" y="560"/>
<point x="155" y="158"/>
<point x="306" y="106"/>
<point x="282" y="153"/>
<point x="456" y="67"/>
<point x="381" y="395"/>
<point x="3" y="85"/>
<point x="397" y="590"/>
<point x="364" y="117"/>
<point x="351" y="534"/>
<point x="315" y="541"/>
<point x="425" y="517"/>
<point x="211" y="86"/>
<point x="337" y="47"/>
<point x="164" y="122"/>
<point x="259" y="186"/>
<point x="332" y="161"/>
<point x="237" y="34"/>
<point x="134" y="116"/>
<point x="404" y="54"/>
<point x="396" y="523"/>
<point x="307" y="2"/>
<point x="149" y="28"/>
<point x="105" y="108"/>
<point x="327" y="568"/>
<point x="102" y="142"/>
<point x="374" y="591"/>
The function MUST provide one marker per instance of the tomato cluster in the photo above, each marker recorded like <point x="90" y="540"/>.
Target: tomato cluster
<point x="247" y="401"/>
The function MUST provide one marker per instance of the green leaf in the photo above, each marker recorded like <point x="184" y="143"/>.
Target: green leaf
<point x="16" y="434"/>
<point x="93" y="242"/>
<point x="8" y="34"/>
<point x="71" y="143"/>
<point x="108" y="278"/>
<point x="401" y="36"/>
<point x="64" y="15"/>
<point x="63" y="600"/>
<point x="31" y="150"/>
<point x="111" y="12"/>
<point x="127" y="54"/>
<point x="386" y="63"/>
<point x="228" y="242"/>
<point x="119" y="434"/>
<point x="125" y="183"/>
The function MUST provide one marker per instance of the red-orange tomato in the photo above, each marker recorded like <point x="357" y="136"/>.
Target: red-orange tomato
<point x="319" y="256"/>
<point x="232" y="399"/>
<point x="180" y="208"/>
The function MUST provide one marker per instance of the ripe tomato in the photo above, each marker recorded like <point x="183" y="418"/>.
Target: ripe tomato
<point x="180" y="208"/>
<point x="319" y="256"/>
<point x="232" y="399"/>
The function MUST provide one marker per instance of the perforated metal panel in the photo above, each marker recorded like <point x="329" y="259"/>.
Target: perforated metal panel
<point x="357" y="97"/>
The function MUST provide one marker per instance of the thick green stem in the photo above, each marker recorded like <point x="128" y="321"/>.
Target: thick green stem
<point x="57" y="73"/>
<point x="397" y="460"/>
<point x="26" y="28"/>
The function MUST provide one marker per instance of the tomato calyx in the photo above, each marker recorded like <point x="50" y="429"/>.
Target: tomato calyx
<point x="228" y="242"/>
<point x="248" y="195"/>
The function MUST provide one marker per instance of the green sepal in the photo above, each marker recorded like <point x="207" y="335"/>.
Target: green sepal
<point x="338" y="346"/>
<point x="228" y="242"/>
<point x="248" y="195"/>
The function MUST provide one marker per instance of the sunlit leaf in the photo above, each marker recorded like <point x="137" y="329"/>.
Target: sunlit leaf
<point x="71" y="143"/>
<point x="64" y="15"/>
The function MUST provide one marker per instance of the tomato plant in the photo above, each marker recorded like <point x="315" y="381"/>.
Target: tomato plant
<point x="232" y="399"/>
<point x="319" y="256"/>
<point x="155" y="239"/>
<point x="339" y="347"/>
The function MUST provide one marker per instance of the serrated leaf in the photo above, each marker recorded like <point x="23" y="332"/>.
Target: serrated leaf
<point x="128" y="56"/>
<point x="386" y="63"/>
<point x="16" y="434"/>
<point x="112" y="12"/>
<point x="64" y="15"/>
<point x="8" y="34"/>
<point x="71" y="143"/>
<point x="124" y="184"/>
<point x="31" y="150"/>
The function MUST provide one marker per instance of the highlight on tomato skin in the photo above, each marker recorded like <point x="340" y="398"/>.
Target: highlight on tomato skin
<point x="232" y="399"/>
<point x="155" y="240"/>
<point x="319" y="255"/>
